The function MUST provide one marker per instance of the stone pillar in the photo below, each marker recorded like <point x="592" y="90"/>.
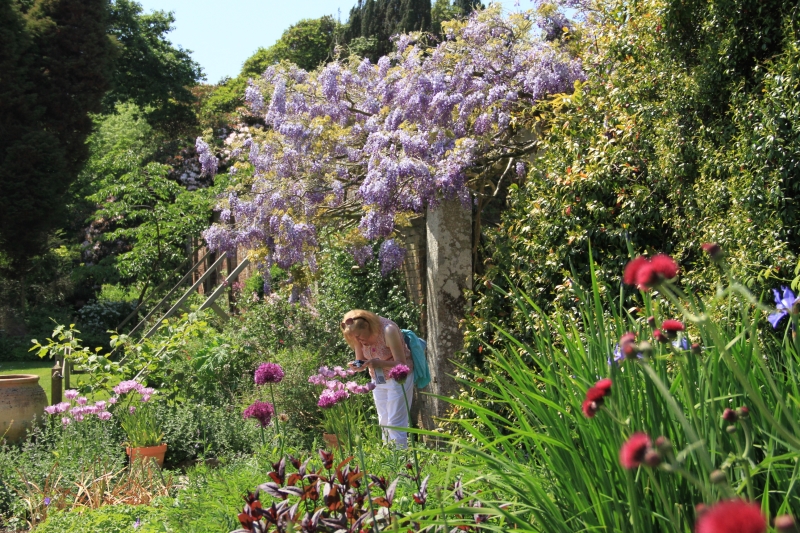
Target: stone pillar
<point x="449" y="274"/>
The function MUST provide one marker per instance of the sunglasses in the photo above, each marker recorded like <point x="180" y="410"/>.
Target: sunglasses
<point x="350" y="321"/>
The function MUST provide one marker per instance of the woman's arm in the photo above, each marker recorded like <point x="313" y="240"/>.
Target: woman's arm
<point x="359" y="351"/>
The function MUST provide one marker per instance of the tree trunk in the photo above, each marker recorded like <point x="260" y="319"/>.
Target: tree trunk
<point x="449" y="274"/>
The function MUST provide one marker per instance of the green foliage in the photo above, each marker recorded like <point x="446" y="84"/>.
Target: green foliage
<point x="108" y="519"/>
<point x="681" y="135"/>
<point x="196" y="429"/>
<point x="148" y="70"/>
<point x="560" y="470"/>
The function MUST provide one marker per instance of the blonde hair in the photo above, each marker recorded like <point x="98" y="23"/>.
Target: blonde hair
<point x="357" y="321"/>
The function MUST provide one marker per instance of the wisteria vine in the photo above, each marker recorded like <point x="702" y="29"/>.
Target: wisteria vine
<point x="361" y="144"/>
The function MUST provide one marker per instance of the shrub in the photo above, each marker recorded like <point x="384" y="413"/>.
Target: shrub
<point x="200" y="430"/>
<point x="685" y="131"/>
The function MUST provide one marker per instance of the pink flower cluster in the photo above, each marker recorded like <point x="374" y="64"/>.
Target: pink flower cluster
<point x="335" y="390"/>
<point x="80" y="410"/>
<point x="134" y="386"/>
<point x="331" y="397"/>
<point x="325" y="374"/>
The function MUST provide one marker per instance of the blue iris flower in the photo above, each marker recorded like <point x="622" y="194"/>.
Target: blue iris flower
<point x="681" y="344"/>
<point x="784" y="304"/>
<point x="619" y="356"/>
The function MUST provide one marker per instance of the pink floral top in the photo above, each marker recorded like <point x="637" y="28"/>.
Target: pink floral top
<point x="381" y="351"/>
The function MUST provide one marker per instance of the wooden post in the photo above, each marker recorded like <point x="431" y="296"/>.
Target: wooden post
<point x="56" y="385"/>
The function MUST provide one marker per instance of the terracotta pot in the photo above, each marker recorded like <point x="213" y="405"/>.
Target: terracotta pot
<point x="22" y="400"/>
<point x="145" y="453"/>
<point x="331" y="440"/>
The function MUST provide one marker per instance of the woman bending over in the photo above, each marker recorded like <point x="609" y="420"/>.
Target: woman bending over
<point x="377" y="342"/>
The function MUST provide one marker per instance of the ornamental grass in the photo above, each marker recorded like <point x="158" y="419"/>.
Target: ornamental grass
<point x="709" y="416"/>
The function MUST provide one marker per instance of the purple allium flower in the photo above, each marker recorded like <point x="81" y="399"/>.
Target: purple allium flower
<point x="70" y="394"/>
<point x="399" y="373"/>
<point x="208" y="161"/>
<point x="785" y="303"/>
<point x="268" y="373"/>
<point x="261" y="411"/>
<point x="391" y="256"/>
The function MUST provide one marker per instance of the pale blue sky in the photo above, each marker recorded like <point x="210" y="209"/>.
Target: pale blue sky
<point x="223" y="33"/>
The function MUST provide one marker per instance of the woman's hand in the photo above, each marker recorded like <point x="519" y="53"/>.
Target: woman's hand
<point x="352" y="366"/>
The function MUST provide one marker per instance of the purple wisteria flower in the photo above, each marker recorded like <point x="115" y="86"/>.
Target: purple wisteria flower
<point x="785" y="303"/>
<point x="391" y="256"/>
<point x="399" y="373"/>
<point x="208" y="161"/>
<point x="261" y="411"/>
<point x="268" y="373"/>
<point x="361" y="254"/>
<point x="384" y="140"/>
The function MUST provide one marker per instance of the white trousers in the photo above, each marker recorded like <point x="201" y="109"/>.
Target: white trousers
<point x="392" y="411"/>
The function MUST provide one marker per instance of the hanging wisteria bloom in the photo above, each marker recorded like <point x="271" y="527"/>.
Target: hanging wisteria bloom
<point x="391" y="256"/>
<point x="378" y="142"/>
<point x="208" y="161"/>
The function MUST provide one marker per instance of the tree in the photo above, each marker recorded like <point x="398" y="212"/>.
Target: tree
<point x="467" y="6"/>
<point x="57" y="72"/>
<point x="148" y="70"/>
<point x="372" y="23"/>
<point x="146" y="216"/>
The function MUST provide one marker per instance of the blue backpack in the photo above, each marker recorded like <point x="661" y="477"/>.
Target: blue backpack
<point x="422" y="374"/>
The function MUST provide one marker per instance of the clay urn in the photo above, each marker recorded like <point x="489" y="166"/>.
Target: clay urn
<point x="22" y="400"/>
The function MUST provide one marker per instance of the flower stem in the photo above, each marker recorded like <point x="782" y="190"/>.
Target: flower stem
<point x="417" y="473"/>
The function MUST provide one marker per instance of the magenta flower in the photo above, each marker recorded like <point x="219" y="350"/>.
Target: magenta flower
<point x="70" y="394"/>
<point x="104" y="415"/>
<point x="261" y="411"/>
<point x="65" y="421"/>
<point x="730" y="516"/>
<point x="399" y="373"/>
<point x="633" y="451"/>
<point x="268" y="373"/>
<point x="113" y="400"/>
<point x="51" y="409"/>
<point x="62" y="407"/>
<point x="82" y="401"/>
